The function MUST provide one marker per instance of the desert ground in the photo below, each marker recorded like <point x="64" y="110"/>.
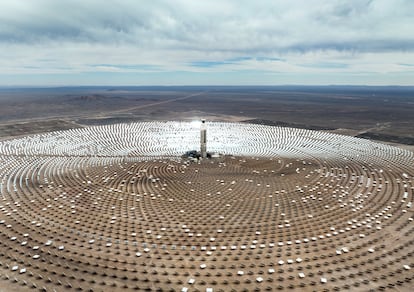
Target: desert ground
<point x="379" y="113"/>
<point x="88" y="217"/>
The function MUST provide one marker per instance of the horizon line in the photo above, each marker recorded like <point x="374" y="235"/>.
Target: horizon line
<point x="200" y="85"/>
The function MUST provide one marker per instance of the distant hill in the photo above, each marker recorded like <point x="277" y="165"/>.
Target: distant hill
<point x="387" y="138"/>
<point x="92" y="98"/>
<point x="284" y="124"/>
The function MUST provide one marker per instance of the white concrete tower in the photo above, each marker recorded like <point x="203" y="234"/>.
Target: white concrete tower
<point x="203" y="139"/>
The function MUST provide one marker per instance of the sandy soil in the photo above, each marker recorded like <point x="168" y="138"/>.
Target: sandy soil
<point x="231" y="224"/>
<point x="235" y="223"/>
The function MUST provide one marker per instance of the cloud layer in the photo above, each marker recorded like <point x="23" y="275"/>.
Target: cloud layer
<point x="272" y="42"/>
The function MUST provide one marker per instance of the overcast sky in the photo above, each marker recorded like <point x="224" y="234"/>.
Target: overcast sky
<point x="188" y="42"/>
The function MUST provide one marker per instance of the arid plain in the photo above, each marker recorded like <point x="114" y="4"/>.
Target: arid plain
<point x="87" y="210"/>
<point x="380" y="113"/>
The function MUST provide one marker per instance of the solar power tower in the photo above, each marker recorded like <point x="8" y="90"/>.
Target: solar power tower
<point x="203" y="139"/>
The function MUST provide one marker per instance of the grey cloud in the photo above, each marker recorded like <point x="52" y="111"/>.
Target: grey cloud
<point x="77" y="21"/>
<point x="222" y="25"/>
<point x="213" y="25"/>
<point x="294" y="37"/>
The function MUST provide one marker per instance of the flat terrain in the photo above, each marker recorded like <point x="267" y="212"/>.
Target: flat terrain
<point x="379" y="113"/>
<point x="116" y="208"/>
<point x="231" y="224"/>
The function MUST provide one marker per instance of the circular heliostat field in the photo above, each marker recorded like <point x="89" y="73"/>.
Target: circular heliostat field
<point x="117" y="207"/>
